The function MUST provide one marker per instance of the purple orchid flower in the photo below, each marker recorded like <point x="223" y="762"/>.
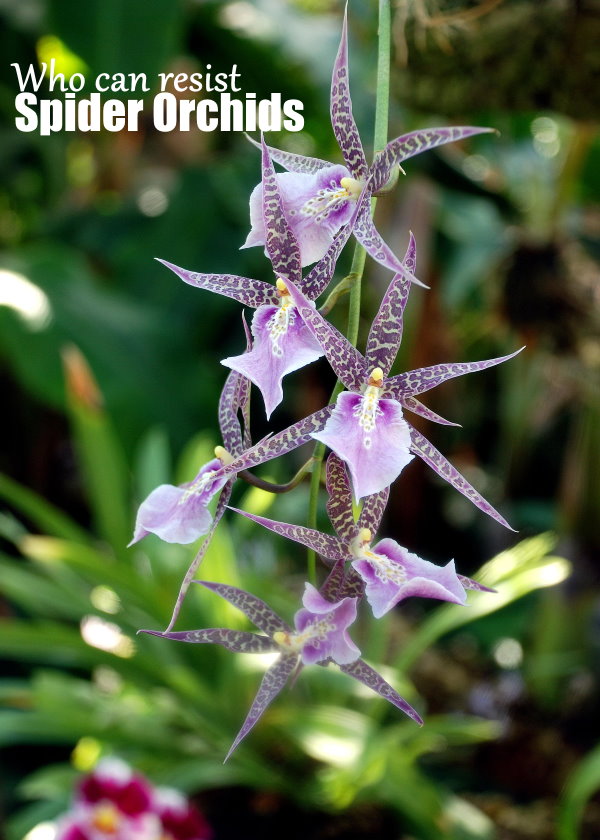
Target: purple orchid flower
<point x="320" y="198"/>
<point x="367" y="428"/>
<point x="282" y="343"/>
<point x="320" y="637"/>
<point x="387" y="573"/>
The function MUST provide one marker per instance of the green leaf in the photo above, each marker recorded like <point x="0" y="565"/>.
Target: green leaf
<point x="582" y="783"/>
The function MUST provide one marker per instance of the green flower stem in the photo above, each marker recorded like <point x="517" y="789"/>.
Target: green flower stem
<point x="358" y="260"/>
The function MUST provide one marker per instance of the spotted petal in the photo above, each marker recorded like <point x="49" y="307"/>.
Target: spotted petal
<point x="346" y="361"/>
<point x="373" y="509"/>
<point x="369" y="677"/>
<point x="339" y="501"/>
<point x="282" y="246"/>
<point x="376" y="452"/>
<point x="392" y="573"/>
<point x="283" y="343"/>
<point x="414" y="143"/>
<point x="238" y="641"/>
<point x="272" y="683"/>
<point x="427" y="451"/>
<point x="342" y="119"/>
<point x="369" y="237"/>
<point x="256" y="610"/>
<point x="292" y="161"/>
<point x="249" y="292"/>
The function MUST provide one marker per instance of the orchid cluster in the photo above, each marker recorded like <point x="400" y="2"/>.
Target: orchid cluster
<point x="115" y="803"/>
<point x="305" y="216"/>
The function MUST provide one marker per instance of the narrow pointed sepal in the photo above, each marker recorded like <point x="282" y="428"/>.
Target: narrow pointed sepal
<point x="326" y="545"/>
<point x="256" y="610"/>
<point x="339" y="501"/>
<point x="249" y="292"/>
<point x="433" y="458"/>
<point x="371" y="240"/>
<point x="368" y="676"/>
<point x="292" y="161"/>
<point x="413" y="404"/>
<point x="272" y="683"/>
<point x="238" y="641"/>
<point x="373" y="509"/>
<point x="281" y="244"/>
<point x="469" y="583"/>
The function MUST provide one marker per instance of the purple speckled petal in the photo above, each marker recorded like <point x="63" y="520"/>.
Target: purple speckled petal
<point x="376" y="454"/>
<point x="414" y="143"/>
<point x="319" y="277"/>
<point x="179" y="514"/>
<point x="368" y="236"/>
<point x="391" y="574"/>
<point x="373" y="509"/>
<point x="243" y="289"/>
<point x="324" y="544"/>
<point x="315" y="207"/>
<point x="283" y="343"/>
<point x="425" y="450"/>
<point x="413" y="404"/>
<point x="423" y="379"/>
<point x="339" y="501"/>
<point x="342" y="120"/>
<point x="346" y="361"/>
<point x="369" y="677"/>
<point x="195" y="564"/>
<point x="281" y="443"/>
<point x="272" y="683"/>
<point x="385" y="334"/>
<point x="282" y="246"/>
<point x="291" y="161"/>
<point x="256" y="610"/>
<point x="326" y="624"/>
<point x="331" y="588"/>
<point x="239" y="641"/>
<point x="469" y="583"/>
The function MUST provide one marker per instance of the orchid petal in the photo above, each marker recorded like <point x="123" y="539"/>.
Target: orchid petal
<point x="369" y="677"/>
<point x="342" y="120"/>
<point x="423" y="379"/>
<point x="326" y="626"/>
<point x="180" y="514"/>
<point x="282" y="247"/>
<point x="256" y="610"/>
<point x="392" y="573"/>
<point x="291" y="161"/>
<point x="414" y="143"/>
<point x="469" y="583"/>
<point x="413" y="404"/>
<point x="374" y="457"/>
<point x="249" y="292"/>
<point x="339" y="501"/>
<point x="283" y="343"/>
<point x="346" y="361"/>
<point x="428" y="453"/>
<point x="319" y="277"/>
<point x="272" y="683"/>
<point x="369" y="237"/>
<point x="385" y="334"/>
<point x="373" y="509"/>
<point x="324" y="544"/>
<point x="238" y="641"/>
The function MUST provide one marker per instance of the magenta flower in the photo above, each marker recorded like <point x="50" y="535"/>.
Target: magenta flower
<point x="319" y="637"/>
<point x="282" y="343"/>
<point x="320" y="198"/>
<point x="387" y="573"/>
<point x="367" y="428"/>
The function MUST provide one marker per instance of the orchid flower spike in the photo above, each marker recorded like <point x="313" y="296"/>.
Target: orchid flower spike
<point x="367" y="428"/>
<point x="387" y="573"/>
<point x="282" y="343"/>
<point x="319" y="637"/>
<point x="320" y="198"/>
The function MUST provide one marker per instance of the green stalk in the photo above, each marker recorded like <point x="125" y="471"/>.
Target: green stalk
<point x="358" y="260"/>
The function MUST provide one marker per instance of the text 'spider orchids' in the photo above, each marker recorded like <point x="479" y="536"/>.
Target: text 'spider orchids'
<point x="321" y="198"/>
<point x="305" y="216"/>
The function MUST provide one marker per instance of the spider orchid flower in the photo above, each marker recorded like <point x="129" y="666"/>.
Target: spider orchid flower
<point x="318" y="637"/>
<point x="320" y="198"/>
<point x="367" y="428"/>
<point x="282" y="343"/>
<point x="386" y="573"/>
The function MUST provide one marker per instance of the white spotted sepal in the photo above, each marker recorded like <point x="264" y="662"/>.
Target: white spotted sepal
<point x="282" y="343"/>
<point x="321" y="630"/>
<point x="180" y="514"/>
<point x="370" y="434"/>
<point x="391" y="573"/>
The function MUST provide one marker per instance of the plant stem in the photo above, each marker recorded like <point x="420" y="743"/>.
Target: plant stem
<point x="359" y="257"/>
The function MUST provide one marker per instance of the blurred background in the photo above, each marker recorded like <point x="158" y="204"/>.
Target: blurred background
<point x="110" y="379"/>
